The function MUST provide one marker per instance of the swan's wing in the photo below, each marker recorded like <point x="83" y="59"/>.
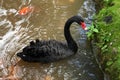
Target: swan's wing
<point x="44" y="48"/>
<point x="52" y="48"/>
<point x="56" y="49"/>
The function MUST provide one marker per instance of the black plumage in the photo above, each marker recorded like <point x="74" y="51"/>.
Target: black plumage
<point x="52" y="50"/>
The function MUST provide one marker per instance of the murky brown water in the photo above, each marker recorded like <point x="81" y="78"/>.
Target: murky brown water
<point x="45" y="22"/>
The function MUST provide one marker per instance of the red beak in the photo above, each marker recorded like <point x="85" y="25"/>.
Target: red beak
<point x="83" y="25"/>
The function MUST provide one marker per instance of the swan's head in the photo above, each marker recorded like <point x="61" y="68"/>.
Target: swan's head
<point x="80" y="21"/>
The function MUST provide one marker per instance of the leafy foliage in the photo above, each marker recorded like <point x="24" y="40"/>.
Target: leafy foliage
<point x="108" y="2"/>
<point x="92" y="30"/>
<point x="109" y="40"/>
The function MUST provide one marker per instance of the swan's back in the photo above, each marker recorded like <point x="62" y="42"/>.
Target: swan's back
<point x="45" y="51"/>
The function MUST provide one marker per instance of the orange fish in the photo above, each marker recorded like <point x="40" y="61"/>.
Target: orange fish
<point x="26" y="10"/>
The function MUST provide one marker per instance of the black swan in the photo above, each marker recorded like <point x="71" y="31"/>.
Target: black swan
<point x="52" y="50"/>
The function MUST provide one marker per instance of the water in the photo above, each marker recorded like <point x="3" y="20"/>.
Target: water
<point x="45" y="22"/>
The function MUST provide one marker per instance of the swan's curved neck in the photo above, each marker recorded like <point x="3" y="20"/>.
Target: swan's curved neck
<point x="71" y="43"/>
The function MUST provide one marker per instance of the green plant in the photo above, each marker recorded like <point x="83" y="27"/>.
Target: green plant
<point x="108" y="2"/>
<point x="108" y="38"/>
<point x="104" y="40"/>
<point x="92" y="30"/>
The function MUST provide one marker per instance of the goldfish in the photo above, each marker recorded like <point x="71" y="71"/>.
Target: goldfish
<point x="26" y="10"/>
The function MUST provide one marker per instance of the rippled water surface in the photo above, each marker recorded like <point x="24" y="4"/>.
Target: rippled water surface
<point x="45" y="22"/>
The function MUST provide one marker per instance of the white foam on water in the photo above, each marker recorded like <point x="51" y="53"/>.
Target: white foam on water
<point x="10" y="40"/>
<point x="3" y="12"/>
<point x="11" y="43"/>
<point x="8" y="36"/>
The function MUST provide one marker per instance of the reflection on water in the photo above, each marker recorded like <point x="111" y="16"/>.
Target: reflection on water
<point x="45" y="22"/>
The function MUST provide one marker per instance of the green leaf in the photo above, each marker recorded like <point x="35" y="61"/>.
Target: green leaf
<point x="104" y="47"/>
<point x="89" y="34"/>
<point x="109" y="63"/>
<point x="95" y="30"/>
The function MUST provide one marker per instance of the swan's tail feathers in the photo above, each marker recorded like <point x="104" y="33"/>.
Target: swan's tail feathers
<point x="37" y="41"/>
<point x="32" y="43"/>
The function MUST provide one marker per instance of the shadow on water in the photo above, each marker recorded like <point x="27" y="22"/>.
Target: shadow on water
<point x="45" y="22"/>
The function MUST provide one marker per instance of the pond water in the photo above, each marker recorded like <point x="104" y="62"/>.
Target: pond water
<point x="45" y="22"/>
